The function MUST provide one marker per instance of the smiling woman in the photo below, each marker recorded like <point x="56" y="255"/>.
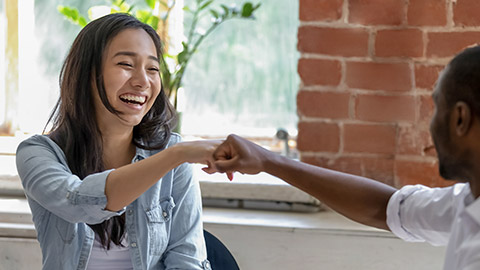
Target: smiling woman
<point x="96" y="174"/>
<point x="130" y="77"/>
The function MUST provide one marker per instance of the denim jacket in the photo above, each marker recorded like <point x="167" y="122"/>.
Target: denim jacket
<point x="164" y="224"/>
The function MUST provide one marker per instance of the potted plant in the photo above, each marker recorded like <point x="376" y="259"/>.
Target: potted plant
<point x="157" y="14"/>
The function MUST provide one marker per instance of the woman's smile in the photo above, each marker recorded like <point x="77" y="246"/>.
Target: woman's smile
<point x="133" y="101"/>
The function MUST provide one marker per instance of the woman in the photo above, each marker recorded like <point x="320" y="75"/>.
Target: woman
<point x="109" y="187"/>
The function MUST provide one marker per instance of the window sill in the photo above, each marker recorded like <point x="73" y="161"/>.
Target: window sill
<point x="16" y="220"/>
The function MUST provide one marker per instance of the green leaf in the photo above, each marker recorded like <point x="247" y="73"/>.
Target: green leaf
<point x="150" y="3"/>
<point x="82" y="21"/>
<point x="206" y="4"/>
<point x="67" y="12"/>
<point x="153" y="22"/>
<point x="226" y="10"/>
<point x="182" y="57"/>
<point x="214" y="13"/>
<point x="247" y="10"/>
<point x="72" y="15"/>
<point x="129" y="11"/>
<point x="142" y="15"/>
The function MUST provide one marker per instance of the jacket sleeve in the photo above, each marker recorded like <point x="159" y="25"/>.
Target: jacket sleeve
<point x="47" y="179"/>
<point x="186" y="247"/>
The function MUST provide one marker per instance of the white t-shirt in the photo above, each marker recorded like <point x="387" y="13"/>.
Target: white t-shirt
<point x="440" y="216"/>
<point x="117" y="257"/>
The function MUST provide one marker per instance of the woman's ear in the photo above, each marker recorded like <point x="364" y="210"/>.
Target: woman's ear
<point x="462" y="115"/>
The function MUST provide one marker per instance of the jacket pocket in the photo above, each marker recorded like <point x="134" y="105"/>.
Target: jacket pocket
<point x="66" y="230"/>
<point x="158" y="224"/>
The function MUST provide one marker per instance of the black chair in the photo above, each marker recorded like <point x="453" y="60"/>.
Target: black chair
<point x="218" y="254"/>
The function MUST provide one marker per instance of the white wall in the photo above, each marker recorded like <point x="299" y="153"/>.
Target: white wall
<point x="267" y="240"/>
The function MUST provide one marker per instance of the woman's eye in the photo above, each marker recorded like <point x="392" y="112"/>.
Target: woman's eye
<point x="125" y="64"/>
<point x="154" y="69"/>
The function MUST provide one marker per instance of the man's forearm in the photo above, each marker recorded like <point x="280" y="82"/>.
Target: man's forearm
<point x="358" y="198"/>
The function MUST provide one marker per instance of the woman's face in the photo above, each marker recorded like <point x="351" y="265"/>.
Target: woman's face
<point x="131" y="78"/>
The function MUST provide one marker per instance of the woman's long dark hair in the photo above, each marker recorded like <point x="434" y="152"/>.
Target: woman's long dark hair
<point x="74" y="126"/>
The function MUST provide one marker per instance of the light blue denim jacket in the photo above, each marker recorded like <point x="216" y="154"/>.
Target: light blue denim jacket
<point x="164" y="224"/>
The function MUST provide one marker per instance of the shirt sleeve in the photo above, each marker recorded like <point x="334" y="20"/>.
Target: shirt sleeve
<point x="186" y="247"/>
<point x="419" y="213"/>
<point x="47" y="180"/>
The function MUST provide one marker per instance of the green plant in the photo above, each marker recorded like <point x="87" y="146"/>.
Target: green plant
<point x="172" y="66"/>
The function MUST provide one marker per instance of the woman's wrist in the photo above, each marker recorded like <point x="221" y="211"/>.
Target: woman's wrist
<point x="179" y="153"/>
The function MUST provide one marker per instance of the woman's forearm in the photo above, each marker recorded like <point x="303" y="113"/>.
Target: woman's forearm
<point x="128" y="182"/>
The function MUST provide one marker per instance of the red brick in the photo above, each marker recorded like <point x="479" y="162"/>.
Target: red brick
<point x="385" y="108"/>
<point x="322" y="104"/>
<point x="333" y="41"/>
<point x="415" y="140"/>
<point x="399" y="43"/>
<point x="418" y="172"/>
<point x="427" y="12"/>
<point x="426" y="75"/>
<point x="376" y="12"/>
<point x="380" y="169"/>
<point x="465" y="12"/>
<point x="363" y="138"/>
<point x="379" y="76"/>
<point x="318" y="137"/>
<point x="320" y="10"/>
<point x="447" y="44"/>
<point x="427" y="108"/>
<point x="319" y="72"/>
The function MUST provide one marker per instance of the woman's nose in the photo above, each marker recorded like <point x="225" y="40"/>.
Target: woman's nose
<point x="139" y="79"/>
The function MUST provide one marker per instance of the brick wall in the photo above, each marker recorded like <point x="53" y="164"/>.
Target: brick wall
<point x="368" y="68"/>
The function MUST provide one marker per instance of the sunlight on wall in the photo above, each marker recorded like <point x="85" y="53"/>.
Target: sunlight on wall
<point x="3" y="23"/>
<point x="34" y="108"/>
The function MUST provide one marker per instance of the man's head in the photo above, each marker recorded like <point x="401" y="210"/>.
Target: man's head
<point x="457" y="109"/>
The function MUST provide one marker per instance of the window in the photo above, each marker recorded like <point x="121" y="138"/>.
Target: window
<point x="242" y="80"/>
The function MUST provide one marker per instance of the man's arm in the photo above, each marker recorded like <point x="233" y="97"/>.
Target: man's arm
<point x="358" y="198"/>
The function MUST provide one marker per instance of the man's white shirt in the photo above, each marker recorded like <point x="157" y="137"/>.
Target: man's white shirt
<point x="440" y="216"/>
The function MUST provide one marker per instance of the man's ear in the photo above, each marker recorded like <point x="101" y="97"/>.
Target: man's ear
<point x="462" y="115"/>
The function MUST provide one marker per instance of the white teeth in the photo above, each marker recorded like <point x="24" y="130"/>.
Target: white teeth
<point x="139" y="99"/>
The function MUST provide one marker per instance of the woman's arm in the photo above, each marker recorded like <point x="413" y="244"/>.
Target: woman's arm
<point x="48" y="181"/>
<point x="358" y="198"/>
<point x="127" y="183"/>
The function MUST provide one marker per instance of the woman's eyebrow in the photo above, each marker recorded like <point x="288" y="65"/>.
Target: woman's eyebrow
<point x="127" y="53"/>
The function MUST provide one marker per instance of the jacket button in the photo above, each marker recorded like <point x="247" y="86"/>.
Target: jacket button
<point x="134" y="244"/>
<point x="165" y="214"/>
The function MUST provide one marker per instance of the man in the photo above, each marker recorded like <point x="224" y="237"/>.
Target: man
<point x="441" y="216"/>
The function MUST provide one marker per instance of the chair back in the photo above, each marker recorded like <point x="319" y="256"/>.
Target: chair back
<point x="218" y="254"/>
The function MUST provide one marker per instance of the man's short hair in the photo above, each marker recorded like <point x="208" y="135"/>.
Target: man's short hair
<point x="461" y="80"/>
